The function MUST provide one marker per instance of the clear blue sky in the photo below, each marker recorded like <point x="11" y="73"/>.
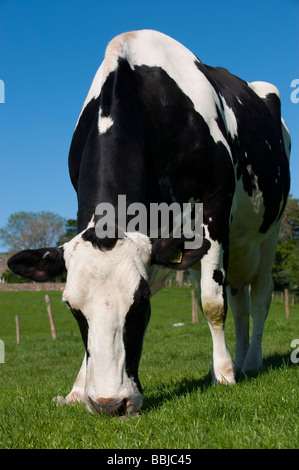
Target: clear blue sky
<point x="51" y="49"/>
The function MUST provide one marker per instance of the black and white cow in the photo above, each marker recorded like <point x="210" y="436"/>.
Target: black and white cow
<point x="160" y="126"/>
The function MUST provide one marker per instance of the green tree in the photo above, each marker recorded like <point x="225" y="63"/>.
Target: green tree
<point x="12" y="278"/>
<point x="70" y="231"/>
<point x="286" y="265"/>
<point x="31" y="230"/>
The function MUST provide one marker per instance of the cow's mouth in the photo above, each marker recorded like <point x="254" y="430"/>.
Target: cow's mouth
<point x="110" y="407"/>
<point x="123" y="408"/>
<point x="113" y="407"/>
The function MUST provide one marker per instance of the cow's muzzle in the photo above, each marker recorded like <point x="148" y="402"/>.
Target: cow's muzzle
<point x="109" y="406"/>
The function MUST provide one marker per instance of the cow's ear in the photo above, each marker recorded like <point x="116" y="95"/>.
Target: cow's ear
<point x="171" y="253"/>
<point x="38" y="265"/>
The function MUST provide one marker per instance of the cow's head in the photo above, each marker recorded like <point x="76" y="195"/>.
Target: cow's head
<point x="108" y="293"/>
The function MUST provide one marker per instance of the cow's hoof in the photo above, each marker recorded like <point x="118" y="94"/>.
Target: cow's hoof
<point x="227" y="378"/>
<point x="252" y="366"/>
<point x="71" y="398"/>
<point x="58" y="400"/>
<point x="130" y="416"/>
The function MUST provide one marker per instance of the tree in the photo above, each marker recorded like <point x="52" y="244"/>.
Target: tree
<point x="12" y="278"/>
<point x="30" y="230"/>
<point x="70" y="231"/>
<point x="286" y="264"/>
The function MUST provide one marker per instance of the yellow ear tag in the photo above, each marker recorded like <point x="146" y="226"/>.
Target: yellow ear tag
<point x="178" y="258"/>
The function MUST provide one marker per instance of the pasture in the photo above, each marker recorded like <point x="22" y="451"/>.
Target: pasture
<point x="181" y="410"/>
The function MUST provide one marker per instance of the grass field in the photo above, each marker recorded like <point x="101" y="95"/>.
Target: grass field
<point x="182" y="409"/>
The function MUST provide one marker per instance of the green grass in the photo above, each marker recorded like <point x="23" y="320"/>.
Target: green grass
<point x="182" y="409"/>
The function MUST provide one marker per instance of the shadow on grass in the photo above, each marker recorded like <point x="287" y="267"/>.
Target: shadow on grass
<point x="276" y="361"/>
<point x="272" y="362"/>
<point x="166" y="392"/>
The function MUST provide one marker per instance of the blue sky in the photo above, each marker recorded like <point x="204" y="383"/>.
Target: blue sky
<point x="51" y="49"/>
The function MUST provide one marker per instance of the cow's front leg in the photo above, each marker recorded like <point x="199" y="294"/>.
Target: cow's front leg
<point x="214" y="306"/>
<point x="77" y="392"/>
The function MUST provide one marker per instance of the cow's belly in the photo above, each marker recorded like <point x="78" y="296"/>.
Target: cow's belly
<point x="245" y="237"/>
<point x="243" y="265"/>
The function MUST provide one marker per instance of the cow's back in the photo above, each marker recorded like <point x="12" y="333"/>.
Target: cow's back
<point x="201" y="134"/>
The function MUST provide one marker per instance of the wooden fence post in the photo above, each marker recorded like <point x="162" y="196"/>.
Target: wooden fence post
<point x="194" y="308"/>
<point x="50" y="314"/>
<point x="287" y="306"/>
<point x="179" y="278"/>
<point x="18" y="337"/>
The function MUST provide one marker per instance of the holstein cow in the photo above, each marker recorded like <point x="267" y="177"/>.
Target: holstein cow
<point x="160" y="126"/>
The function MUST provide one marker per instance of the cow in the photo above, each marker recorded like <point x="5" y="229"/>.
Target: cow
<point x="159" y="126"/>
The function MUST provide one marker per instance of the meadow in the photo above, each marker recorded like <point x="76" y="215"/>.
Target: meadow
<point x="181" y="410"/>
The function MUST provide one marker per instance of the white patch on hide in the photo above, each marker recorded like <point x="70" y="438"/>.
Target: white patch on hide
<point x="104" y="123"/>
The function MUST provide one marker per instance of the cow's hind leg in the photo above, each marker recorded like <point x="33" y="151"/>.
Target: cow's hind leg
<point x="261" y="293"/>
<point x="240" y="305"/>
<point x="214" y="306"/>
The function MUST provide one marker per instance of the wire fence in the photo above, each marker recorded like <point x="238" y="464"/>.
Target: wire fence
<point x="285" y="297"/>
<point x="280" y="296"/>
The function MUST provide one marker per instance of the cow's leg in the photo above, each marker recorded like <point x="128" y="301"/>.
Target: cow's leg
<point x="240" y="305"/>
<point x="214" y="306"/>
<point x="261" y="293"/>
<point x="77" y="392"/>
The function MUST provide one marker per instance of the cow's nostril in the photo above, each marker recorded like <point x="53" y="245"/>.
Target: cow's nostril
<point x="109" y="406"/>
